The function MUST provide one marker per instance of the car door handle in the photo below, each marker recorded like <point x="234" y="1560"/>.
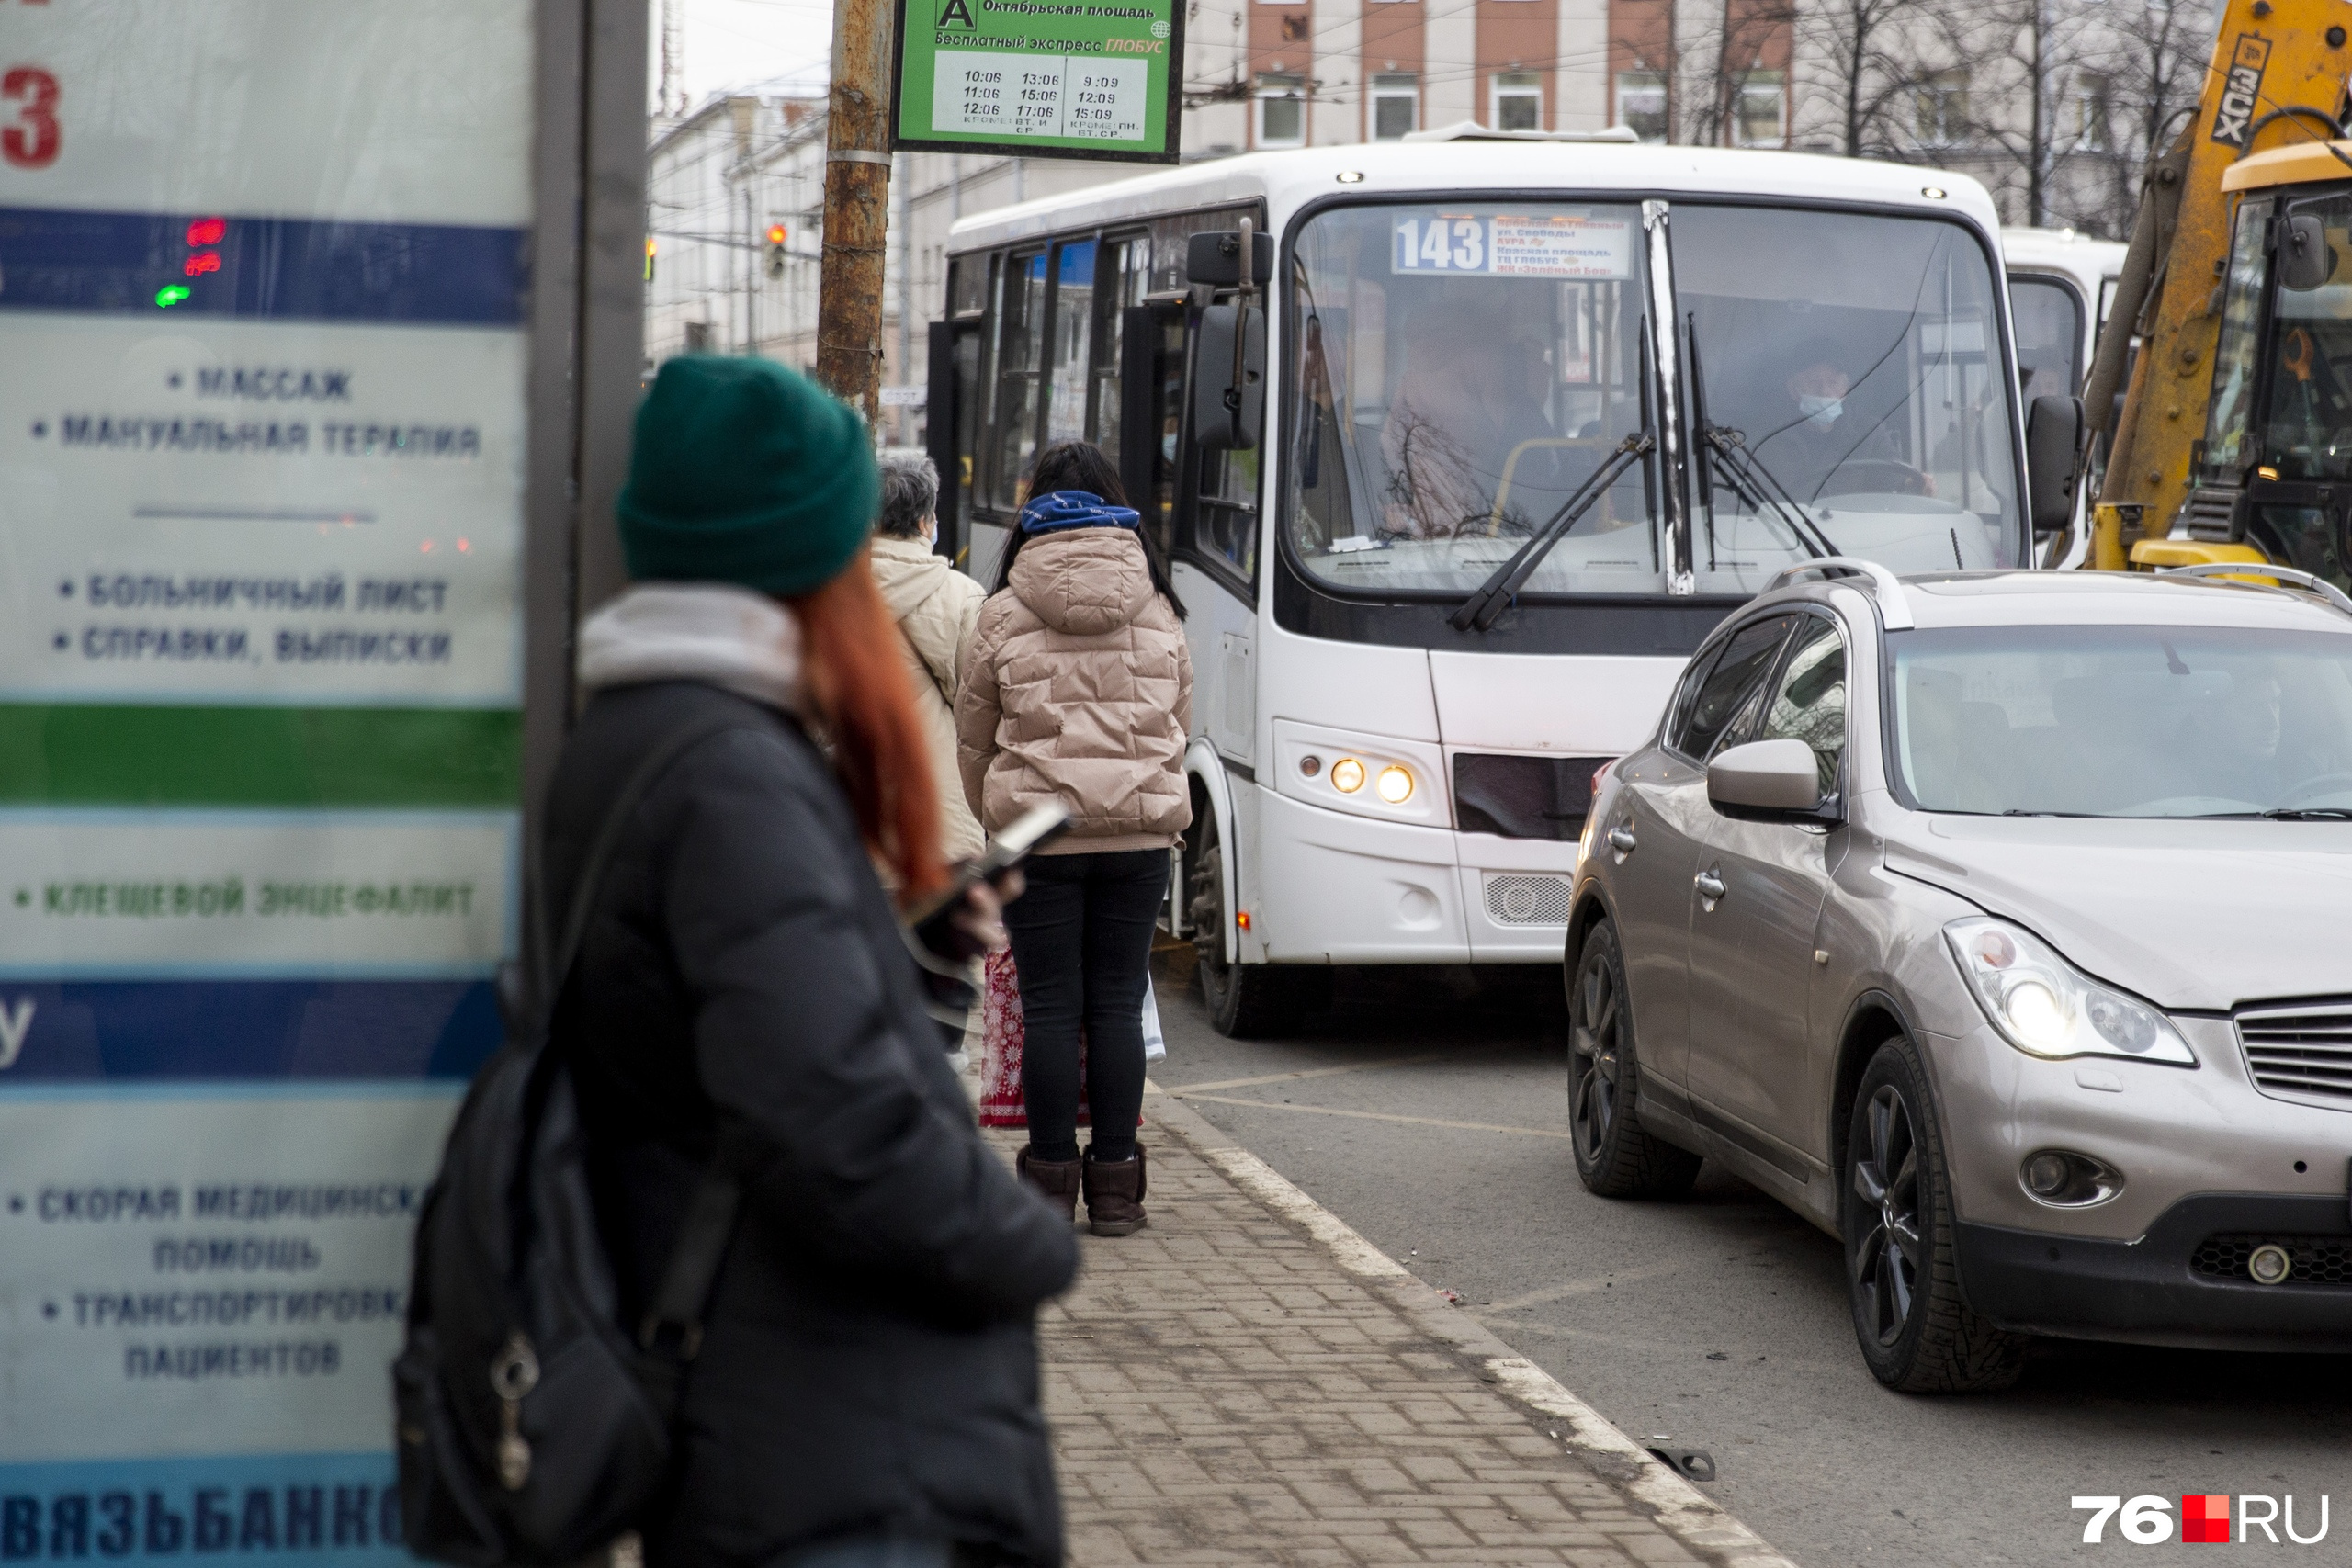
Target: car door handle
<point x="1622" y="839"/>
<point x="1710" y="884"/>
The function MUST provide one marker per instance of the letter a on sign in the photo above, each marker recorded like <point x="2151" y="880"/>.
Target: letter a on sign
<point x="2205" y="1519"/>
<point x="957" y="14"/>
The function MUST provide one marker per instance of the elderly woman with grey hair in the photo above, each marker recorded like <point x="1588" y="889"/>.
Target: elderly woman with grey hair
<point x="936" y="607"/>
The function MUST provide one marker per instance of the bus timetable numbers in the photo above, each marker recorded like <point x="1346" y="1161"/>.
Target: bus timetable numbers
<point x="983" y="97"/>
<point x="31" y="137"/>
<point x="1441" y="244"/>
<point x="1038" y="106"/>
<point x="1025" y="94"/>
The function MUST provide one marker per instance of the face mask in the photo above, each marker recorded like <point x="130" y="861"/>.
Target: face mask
<point x="1821" y="412"/>
<point x="1168" y="448"/>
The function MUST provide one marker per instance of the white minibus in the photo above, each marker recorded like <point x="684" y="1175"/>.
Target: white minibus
<point x="1510" y="425"/>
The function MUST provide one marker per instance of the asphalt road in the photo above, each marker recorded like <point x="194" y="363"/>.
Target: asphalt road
<point x="1431" y="1115"/>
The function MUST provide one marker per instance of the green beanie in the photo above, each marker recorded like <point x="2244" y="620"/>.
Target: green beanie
<point x="745" y="472"/>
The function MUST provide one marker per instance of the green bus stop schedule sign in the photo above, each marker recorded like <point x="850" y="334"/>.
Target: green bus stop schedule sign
<point x="1041" y="78"/>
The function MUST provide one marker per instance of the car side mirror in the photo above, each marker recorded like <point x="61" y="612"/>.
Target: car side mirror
<point x="1230" y="377"/>
<point x="2054" y="444"/>
<point x="1768" y="780"/>
<point x="2305" y="258"/>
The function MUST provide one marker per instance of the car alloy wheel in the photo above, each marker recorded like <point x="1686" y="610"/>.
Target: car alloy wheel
<point x="1886" y="1184"/>
<point x="1616" y="1156"/>
<point x="1594" y="1057"/>
<point x="1913" y="1325"/>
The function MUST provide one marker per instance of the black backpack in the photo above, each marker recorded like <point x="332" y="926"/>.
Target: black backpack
<point x="533" y="1427"/>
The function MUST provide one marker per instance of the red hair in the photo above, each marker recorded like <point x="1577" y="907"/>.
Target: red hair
<point x="857" y="679"/>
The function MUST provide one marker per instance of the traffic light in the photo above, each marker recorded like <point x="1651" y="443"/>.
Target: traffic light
<point x="775" y="250"/>
<point x="648" y="258"/>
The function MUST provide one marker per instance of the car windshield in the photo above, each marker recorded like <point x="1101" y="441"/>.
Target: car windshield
<point x="2125" y="721"/>
<point x="1462" y="369"/>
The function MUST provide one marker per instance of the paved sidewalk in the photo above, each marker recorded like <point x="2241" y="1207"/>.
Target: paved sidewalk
<point x="1247" y="1381"/>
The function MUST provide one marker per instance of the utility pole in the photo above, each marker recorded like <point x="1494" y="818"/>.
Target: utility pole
<point x="906" y="291"/>
<point x="857" y="207"/>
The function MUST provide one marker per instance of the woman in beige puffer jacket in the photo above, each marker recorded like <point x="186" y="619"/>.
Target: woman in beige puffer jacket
<point x="1078" y="688"/>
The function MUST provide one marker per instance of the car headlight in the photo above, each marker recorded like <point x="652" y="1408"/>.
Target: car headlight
<point x="2046" y="1007"/>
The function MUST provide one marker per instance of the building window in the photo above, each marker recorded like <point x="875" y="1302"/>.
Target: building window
<point x="2089" y="113"/>
<point x="1942" y="99"/>
<point x="1295" y="28"/>
<point x="1396" y="105"/>
<point x="1519" y="101"/>
<point x="1641" y="103"/>
<point x="697" y="337"/>
<point x="1763" y="120"/>
<point x="1281" y="111"/>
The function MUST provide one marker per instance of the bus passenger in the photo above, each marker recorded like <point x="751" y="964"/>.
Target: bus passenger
<point x="1078" y="688"/>
<point x="1472" y="391"/>
<point x="936" y="608"/>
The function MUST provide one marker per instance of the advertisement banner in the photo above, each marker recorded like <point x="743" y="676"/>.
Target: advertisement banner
<point x="1041" y="78"/>
<point x="264" y="276"/>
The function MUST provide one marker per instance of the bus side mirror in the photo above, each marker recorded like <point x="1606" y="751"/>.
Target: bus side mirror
<point x="1215" y="258"/>
<point x="1230" y="388"/>
<point x="2053" y="442"/>
<point x="2305" y="258"/>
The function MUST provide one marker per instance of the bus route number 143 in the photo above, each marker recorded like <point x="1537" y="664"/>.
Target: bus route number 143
<point x="1441" y="244"/>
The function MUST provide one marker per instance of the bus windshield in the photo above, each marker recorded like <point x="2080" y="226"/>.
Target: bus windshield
<point x="1461" y="370"/>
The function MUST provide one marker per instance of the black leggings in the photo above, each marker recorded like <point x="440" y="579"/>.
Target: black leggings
<point x="1081" y="942"/>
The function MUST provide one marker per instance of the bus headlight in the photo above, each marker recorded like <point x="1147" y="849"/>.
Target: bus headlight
<point x="1347" y="775"/>
<point x="1394" y="784"/>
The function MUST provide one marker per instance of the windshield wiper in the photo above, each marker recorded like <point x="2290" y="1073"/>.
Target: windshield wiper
<point x="1484" y="608"/>
<point x="1724" y="455"/>
<point x="2307" y="813"/>
<point x="1751" y="479"/>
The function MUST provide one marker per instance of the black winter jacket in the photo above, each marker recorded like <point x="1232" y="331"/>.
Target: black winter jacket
<point x="869" y="1360"/>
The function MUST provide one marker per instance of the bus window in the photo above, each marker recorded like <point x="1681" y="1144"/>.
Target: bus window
<point x="1167" y="420"/>
<point x="1225" y="525"/>
<point x="1014" y="384"/>
<point x="967" y="414"/>
<point x="1126" y="272"/>
<point x="1460" y="374"/>
<point x="1073" y="324"/>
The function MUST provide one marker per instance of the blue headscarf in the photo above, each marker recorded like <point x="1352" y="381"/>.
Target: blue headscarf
<point x="1057" y="510"/>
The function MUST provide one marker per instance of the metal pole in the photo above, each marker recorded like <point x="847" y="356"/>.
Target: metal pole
<point x="857" y="209"/>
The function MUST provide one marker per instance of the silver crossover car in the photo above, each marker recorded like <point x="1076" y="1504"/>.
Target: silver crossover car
<point x="2001" y="925"/>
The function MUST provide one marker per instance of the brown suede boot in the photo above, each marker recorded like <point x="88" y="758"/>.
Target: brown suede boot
<point x="1057" y="1179"/>
<point x="1115" y="1195"/>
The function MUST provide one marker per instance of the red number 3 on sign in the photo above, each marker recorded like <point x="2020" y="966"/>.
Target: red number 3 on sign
<point x="32" y="142"/>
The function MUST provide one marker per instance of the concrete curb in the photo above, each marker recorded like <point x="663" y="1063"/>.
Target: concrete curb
<point x="1690" y="1515"/>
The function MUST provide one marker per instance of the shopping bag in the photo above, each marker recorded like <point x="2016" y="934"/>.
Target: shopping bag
<point x="1155" y="1043"/>
<point x="1003" y="1036"/>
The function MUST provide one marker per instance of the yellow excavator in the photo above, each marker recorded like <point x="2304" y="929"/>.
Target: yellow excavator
<point x="2232" y="318"/>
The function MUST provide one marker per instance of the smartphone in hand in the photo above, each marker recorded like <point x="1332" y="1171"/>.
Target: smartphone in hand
<point x="1038" y="826"/>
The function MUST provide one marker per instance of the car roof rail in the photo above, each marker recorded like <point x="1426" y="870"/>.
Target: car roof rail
<point x="1894" y="609"/>
<point x="2245" y="571"/>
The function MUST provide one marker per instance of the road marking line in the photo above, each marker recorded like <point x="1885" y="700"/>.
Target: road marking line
<point x="1364" y="1115"/>
<point x="1318" y="1072"/>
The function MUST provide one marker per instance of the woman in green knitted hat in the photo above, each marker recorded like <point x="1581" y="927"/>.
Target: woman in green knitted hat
<point x="867" y="1391"/>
